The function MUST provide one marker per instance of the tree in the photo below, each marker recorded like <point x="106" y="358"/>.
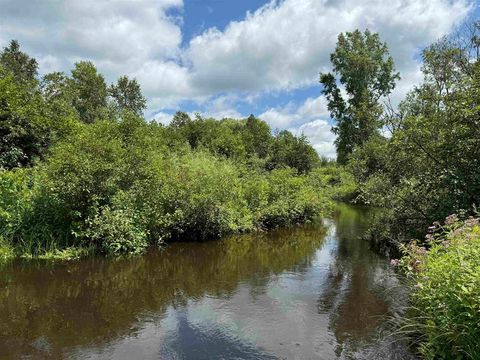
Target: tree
<point x="127" y="95"/>
<point x="257" y="137"/>
<point x="23" y="67"/>
<point x="362" y="65"/>
<point x="292" y="151"/>
<point x="57" y="91"/>
<point x="180" y="119"/>
<point x="23" y="128"/>
<point x="430" y="166"/>
<point x="89" y="91"/>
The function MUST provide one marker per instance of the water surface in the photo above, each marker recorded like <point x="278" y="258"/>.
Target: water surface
<point x="311" y="292"/>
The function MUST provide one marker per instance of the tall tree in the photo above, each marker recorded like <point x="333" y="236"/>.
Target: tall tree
<point x="23" y="67"/>
<point x="90" y="92"/>
<point x="127" y="95"/>
<point x="180" y="119"/>
<point x="23" y="129"/>
<point x="363" y="66"/>
<point x="257" y="137"/>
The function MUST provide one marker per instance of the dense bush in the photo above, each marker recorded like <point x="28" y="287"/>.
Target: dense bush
<point x="446" y="295"/>
<point x="192" y="196"/>
<point x="118" y="186"/>
<point x="116" y="231"/>
<point x="429" y="167"/>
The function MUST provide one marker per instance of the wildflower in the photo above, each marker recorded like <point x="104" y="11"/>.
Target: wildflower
<point x="451" y="219"/>
<point x="394" y="262"/>
<point x="429" y="237"/>
<point x="446" y="243"/>
<point x="471" y="221"/>
<point x="421" y="250"/>
<point x="457" y="232"/>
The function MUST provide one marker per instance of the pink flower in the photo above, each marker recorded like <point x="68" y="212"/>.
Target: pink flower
<point x="451" y="219"/>
<point x="421" y="251"/>
<point x="394" y="262"/>
<point x="471" y="221"/>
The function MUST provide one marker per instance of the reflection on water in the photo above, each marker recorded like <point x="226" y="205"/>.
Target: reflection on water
<point x="312" y="292"/>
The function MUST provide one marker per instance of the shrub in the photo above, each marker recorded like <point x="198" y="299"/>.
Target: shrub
<point x="118" y="186"/>
<point x="6" y="251"/>
<point x="289" y="199"/>
<point x="334" y="181"/>
<point x="193" y="196"/>
<point x="117" y="232"/>
<point x="446" y="295"/>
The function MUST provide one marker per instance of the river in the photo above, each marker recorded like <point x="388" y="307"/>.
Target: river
<point x="314" y="291"/>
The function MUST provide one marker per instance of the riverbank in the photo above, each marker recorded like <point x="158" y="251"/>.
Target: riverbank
<point x="82" y="168"/>
<point x="48" y="213"/>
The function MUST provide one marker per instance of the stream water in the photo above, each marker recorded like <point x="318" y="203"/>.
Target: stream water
<point x="314" y="291"/>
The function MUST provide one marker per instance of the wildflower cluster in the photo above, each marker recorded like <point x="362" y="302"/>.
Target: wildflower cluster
<point x="440" y="235"/>
<point x="445" y="270"/>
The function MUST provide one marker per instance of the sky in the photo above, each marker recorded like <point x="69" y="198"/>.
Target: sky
<point x="228" y="58"/>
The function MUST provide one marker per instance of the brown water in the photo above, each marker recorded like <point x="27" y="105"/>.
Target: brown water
<point x="311" y="292"/>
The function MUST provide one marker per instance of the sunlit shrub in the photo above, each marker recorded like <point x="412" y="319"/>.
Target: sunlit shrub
<point x="446" y="294"/>
<point x="119" y="186"/>
<point x="117" y="232"/>
<point x="289" y="199"/>
<point x="195" y="196"/>
<point x="334" y="181"/>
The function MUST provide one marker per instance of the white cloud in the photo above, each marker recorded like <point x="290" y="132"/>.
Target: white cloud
<point x="137" y="38"/>
<point x="281" y="46"/>
<point x="293" y="115"/>
<point x="162" y="118"/>
<point x="320" y="136"/>
<point x="309" y="118"/>
<point x="285" y="44"/>
<point x="314" y="107"/>
<point x="277" y="118"/>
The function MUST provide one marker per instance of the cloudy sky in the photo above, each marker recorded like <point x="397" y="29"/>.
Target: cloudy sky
<point x="227" y="58"/>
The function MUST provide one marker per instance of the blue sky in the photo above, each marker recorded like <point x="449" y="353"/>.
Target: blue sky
<point x="227" y="58"/>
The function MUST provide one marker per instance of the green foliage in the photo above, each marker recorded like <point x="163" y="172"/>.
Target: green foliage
<point x="23" y="129"/>
<point x="247" y="140"/>
<point x="290" y="200"/>
<point x="31" y="117"/>
<point x="335" y="182"/>
<point x="6" y="251"/>
<point x="116" y="232"/>
<point x="429" y="167"/>
<point x="257" y="137"/>
<point x="104" y="179"/>
<point x="291" y="151"/>
<point x="22" y="66"/>
<point x="90" y="92"/>
<point x="15" y="196"/>
<point x="194" y="196"/>
<point x="363" y="66"/>
<point x="119" y="186"/>
<point x="127" y="95"/>
<point x="446" y="295"/>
